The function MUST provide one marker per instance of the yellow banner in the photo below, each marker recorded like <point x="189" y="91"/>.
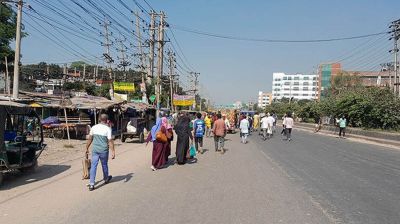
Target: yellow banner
<point x="183" y="102"/>
<point x="124" y="86"/>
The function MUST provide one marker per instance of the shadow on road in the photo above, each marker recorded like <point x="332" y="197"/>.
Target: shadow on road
<point x="14" y="179"/>
<point x="124" y="178"/>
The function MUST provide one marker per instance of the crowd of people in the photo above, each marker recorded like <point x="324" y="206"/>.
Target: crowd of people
<point x="190" y="133"/>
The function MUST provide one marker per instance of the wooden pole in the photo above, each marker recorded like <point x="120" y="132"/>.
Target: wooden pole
<point x="95" y="116"/>
<point x="66" y="122"/>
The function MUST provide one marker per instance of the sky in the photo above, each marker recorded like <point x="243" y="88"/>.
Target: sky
<point x="232" y="70"/>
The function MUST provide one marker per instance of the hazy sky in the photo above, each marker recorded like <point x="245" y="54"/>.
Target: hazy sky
<point x="236" y="70"/>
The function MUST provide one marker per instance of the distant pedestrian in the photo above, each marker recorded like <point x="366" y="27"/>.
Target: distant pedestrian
<point x="184" y="133"/>
<point x="264" y="127"/>
<point x="158" y="136"/>
<point x="219" y="131"/>
<point x="275" y="120"/>
<point x="250" y="119"/>
<point x="227" y="123"/>
<point x="100" y="138"/>
<point x="270" y="121"/>
<point x="342" y="122"/>
<point x="283" y="124"/>
<point x="256" y="122"/>
<point x="288" y="122"/>
<point x="199" y="131"/>
<point x="208" y="122"/>
<point x="244" y="129"/>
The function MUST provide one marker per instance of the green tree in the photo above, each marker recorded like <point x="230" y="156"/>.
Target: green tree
<point x="7" y="33"/>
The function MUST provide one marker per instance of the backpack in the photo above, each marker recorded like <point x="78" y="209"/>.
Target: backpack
<point x="199" y="128"/>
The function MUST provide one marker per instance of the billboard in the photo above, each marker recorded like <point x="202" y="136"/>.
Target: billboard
<point x="124" y="86"/>
<point x="183" y="100"/>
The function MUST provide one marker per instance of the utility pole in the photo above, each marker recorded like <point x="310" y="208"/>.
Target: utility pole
<point x="196" y="76"/>
<point x="171" y="60"/>
<point x="84" y="71"/>
<point x="65" y="69"/>
<point x="124" y="62"/>
<point x="395" y="35"/>
<point x="107" y="56"/>
<point x="141" y="56"/>
<point x="150" y="74"/>
<point x="160" y="60"/>
<point x="17" y="51"/>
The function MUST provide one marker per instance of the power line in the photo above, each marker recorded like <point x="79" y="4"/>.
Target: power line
<point x="190" y="67"/>
<point x="222" y="36"/>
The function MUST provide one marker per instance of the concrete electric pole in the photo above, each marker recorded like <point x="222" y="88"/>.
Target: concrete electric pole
<point x="160" y="60"/>
<point x="196" y="77"/>
<point x="171" y="59"/>
<point x="17" y="51"/>
<point x="142" y="57"/>
<point x="107" y="56"/>
<point x="395" y="35"/>
<point x="150" y="74"/>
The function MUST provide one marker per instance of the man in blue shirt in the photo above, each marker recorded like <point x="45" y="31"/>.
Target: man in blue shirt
<point x="199" y="128"/>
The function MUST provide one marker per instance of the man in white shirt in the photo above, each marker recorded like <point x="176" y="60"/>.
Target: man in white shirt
<point x="244" y="129"/>
<point x="270" y="121"/>
<point x="264" y="127"/>
<point x="288" y="123"/>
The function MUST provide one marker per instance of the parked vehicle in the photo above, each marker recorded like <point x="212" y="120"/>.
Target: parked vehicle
<point x="133" y="127"/>
<point x="22" y="138"/>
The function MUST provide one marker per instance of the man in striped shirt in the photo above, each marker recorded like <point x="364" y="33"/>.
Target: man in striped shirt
<point x="101" y="141"/>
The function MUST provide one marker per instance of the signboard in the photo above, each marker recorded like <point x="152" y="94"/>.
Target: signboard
<point x="122" y="97"/>
<point x="152" y="98"/>
<point x="124" y="86"/>
<point x="183" y="100"/>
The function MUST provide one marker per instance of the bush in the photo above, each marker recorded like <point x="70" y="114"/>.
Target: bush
<point x="363" y="107"/>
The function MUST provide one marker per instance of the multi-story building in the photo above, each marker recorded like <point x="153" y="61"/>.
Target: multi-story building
<point x="294" y="86"/>
<point x="264" y="99"/>
<point x="327" y="72"/>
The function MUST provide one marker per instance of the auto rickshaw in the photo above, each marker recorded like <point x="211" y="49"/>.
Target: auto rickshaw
<point x="21" y="138"/>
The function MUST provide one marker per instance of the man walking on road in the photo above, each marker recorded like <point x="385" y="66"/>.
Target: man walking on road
<point x="264" y="127"/>
<point x="208" y="122"/>
<point x="199" y="130"/>
<point x="342" y="126"/>
<point x="101" y="141"/>
<point x="288" y="123"/>
<point x="244" y="129"/>
<point x="219" y="131"/>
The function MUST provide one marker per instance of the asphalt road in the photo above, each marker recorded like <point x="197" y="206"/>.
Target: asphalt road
<point x="353" y="182"/>
<point x="313" y="179"/>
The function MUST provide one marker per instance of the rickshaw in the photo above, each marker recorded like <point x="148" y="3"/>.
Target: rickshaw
<point x="133" y="127"/>
<point x="21" y="138"/>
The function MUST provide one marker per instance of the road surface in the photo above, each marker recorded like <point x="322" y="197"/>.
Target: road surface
<point x="313" y="179"/>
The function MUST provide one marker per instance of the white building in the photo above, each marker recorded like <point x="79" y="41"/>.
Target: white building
<point x="298" y="86"/>
<point x="264" y="99"/>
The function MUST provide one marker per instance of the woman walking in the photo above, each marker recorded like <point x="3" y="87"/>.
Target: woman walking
<point x="160" y="141"/>
<point x="184" y="133"/>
